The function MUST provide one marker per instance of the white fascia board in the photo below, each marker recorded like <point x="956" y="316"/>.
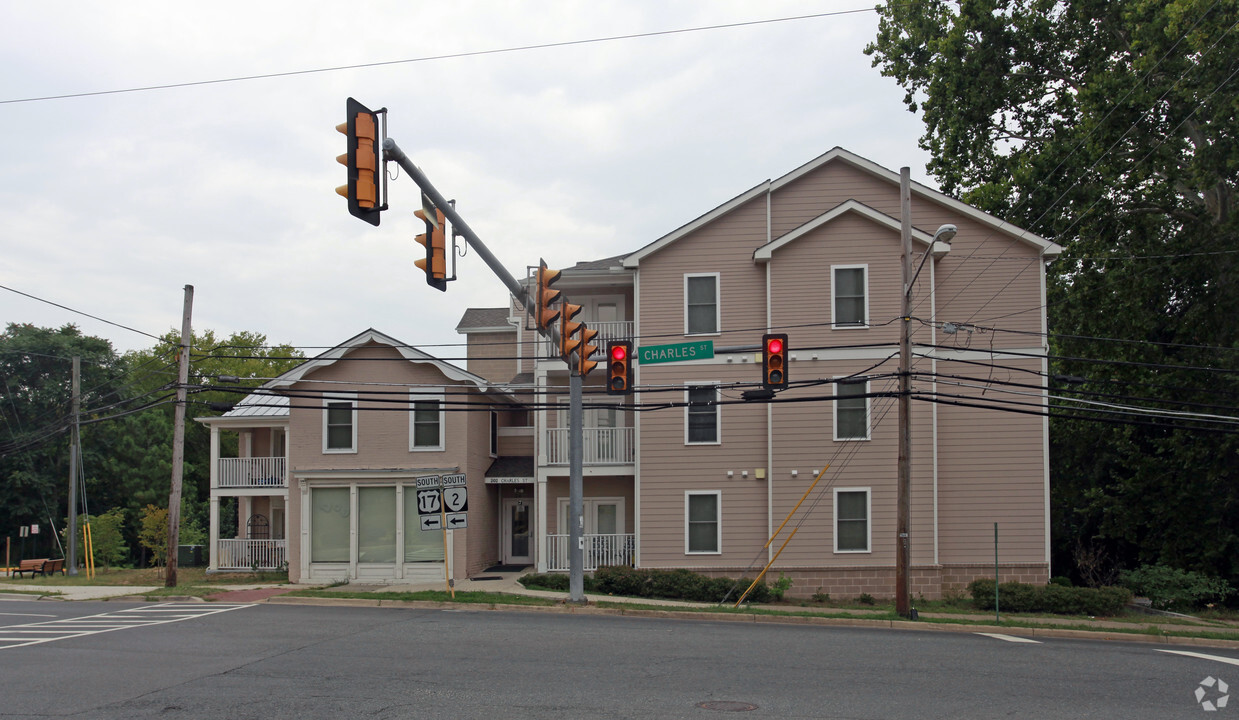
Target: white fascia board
<point x="765" y="252"/>
<point x="1046" y="248"/>
<point x="633" y="260"/>
<point x="408" y="353"/>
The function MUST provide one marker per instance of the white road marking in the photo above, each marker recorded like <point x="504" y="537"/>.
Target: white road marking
<point x="13" y="636"/>
<point x="1010" y="638"/>
<point x="1202" y="656"/>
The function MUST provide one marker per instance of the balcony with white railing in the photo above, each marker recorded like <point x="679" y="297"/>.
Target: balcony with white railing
<point x="607" y="331"/>
<point x="254" y="472"/>
<point x="251" y="555"/>
<point x="600" y="550"/>
<point x="600" y="446"/>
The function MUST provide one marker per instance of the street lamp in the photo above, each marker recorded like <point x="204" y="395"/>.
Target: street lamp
<point x="944" y="234"/>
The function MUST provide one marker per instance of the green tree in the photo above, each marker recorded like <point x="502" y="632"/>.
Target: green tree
<point x="35" y="414"/>
<point x="106" y="536"/>
<point x="1108" y="127"/>
<point x="153" y="533"/>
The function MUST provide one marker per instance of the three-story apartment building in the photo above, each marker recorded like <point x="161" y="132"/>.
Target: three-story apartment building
<point x="683" y="473"/>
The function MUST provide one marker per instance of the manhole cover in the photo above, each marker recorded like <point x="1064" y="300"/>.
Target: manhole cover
<point x="726" y="706"/>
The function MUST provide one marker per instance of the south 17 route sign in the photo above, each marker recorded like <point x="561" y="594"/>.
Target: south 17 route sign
<point x="442" y="501"/>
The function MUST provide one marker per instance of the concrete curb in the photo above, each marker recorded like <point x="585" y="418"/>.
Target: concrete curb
<point x="563" y="608"/>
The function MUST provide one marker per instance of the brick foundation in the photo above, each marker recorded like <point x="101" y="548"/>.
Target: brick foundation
<point x="928" y="581"/>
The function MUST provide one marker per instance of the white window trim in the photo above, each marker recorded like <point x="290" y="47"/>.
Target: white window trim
<point x="422" y="396"/>
<point x="868" y="520"/>
<point x="718" y="303"/>
<point x="718" y="414"/>
<point x="834" y="303"/>
<point x="718" y="524"/>
<point x="329" y="398"/>
<point x="868" y="416"/>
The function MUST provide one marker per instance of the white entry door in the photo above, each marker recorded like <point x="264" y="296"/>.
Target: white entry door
<point x="518" y="533"/>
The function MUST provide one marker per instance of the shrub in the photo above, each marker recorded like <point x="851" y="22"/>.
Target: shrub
<point x="675" y="584"/>
<point x="1061" y="580"/>
<point x="780" y="587"/>
<point x="1022" y="597"/>
<point x="1169" y="588"/>
<point x="866" y="599"/>
<point x="620" y="580"/>
<point x="547" y="581"/>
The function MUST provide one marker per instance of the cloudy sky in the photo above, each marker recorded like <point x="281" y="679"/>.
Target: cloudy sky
<point x="111" y="202"/>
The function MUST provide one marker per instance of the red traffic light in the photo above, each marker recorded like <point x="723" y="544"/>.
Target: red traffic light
<point x="619" y="369"/>
<point x="774" y="361"/>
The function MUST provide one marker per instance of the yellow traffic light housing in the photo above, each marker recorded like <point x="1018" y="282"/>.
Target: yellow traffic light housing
<point x="363" y="160"/>
<point x="435" y="241"/>
<point x="544" y="314"/>
<point x="585" y="349"/>
<point x="774" y="361"/>
<point x="619" y="368"/>
<point x="569" y="339"/>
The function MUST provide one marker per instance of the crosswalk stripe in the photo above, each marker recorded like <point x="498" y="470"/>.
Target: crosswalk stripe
<point x="37" y="633"/>
<point x="1010" y="638"/>
<point x="1202" y="656"/>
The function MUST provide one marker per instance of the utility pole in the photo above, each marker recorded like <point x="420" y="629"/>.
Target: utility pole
<point x="576" y="503"/>
<point x="75" y="440"/>
<point x="903" y="594"/>
<point x="178" y="441"/>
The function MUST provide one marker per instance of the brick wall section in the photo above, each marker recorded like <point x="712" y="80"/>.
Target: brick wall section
<point x="929" y="582"/>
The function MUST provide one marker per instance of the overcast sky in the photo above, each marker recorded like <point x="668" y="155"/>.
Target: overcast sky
<point x="111" y="203"/>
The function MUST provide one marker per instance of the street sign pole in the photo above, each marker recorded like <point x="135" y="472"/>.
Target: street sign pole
<point x="576" y="555"/>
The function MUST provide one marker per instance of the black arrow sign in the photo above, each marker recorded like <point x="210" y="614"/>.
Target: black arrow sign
<point x="455" y="521"/>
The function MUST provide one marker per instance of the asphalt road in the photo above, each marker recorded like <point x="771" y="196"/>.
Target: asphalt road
<point x="204" y="660"/>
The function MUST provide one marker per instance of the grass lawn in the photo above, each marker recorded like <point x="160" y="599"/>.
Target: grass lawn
<point x="186" y="577"/>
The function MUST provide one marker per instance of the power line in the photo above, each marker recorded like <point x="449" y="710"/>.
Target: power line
<point x="431" y="58"/>
<point x="79" y="312"/>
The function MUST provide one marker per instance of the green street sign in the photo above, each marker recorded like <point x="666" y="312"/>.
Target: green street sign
<point x="650" y="355"/>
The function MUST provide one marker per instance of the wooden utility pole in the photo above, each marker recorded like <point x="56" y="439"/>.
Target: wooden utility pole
<point x="903" y="595"/>
<point x="75" y="440"/>
<point x="178" y="441"/>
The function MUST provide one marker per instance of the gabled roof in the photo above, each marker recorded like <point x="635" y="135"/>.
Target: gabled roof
<point x="1045" y="247"/>
<point x="409" y="353"/>
<point x="763" y="253"/>
<point x="485" y="320"/>
<point x="266" y="402"/>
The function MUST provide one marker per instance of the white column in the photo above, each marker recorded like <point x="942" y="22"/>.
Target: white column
<point x="540" y="521"/>
<point x="213" y="538"/>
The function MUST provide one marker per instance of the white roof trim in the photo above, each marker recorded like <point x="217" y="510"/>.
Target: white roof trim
<point x="340" y="351"/>
<point x="766" y="251"/>
<point x="1046" y="247"/>
<point x="633" y="260"/>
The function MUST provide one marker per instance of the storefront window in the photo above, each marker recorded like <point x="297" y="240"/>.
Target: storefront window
<point x="329" y="523"/>
<point x="420" y="546"/>
<point x="376" y="525"/>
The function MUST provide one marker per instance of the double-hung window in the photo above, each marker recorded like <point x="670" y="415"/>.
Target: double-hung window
<point x="851" y="410"/>
<point x="425" y="422"/>
<point x="340" y="424"/>
<point x="701" y="416"/>
<point x="703" y="525"/>
<point x="701" y="305"/>
<point x="849" y="307"/>
<point x="852" y="520"/>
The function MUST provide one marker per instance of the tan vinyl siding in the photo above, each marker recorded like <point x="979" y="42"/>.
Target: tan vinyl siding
<point x="991" y="470"/>
<point x="493" y="356"/>
<point x="725" y="247"/>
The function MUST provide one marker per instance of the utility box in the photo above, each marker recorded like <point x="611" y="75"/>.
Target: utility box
<point x="189" y="556"/>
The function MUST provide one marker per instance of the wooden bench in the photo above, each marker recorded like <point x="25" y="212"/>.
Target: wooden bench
<point x="41" y="566"/>
<point x="51" y="567"/>
<point x="34" y="567"/>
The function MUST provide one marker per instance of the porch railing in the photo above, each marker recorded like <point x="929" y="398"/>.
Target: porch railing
<point x="251" y="554"/>
<point x="599" y="550"/>
<point x="600" y="446"/>
<point x="252" y="472"/>
<point x="607" y="331"/>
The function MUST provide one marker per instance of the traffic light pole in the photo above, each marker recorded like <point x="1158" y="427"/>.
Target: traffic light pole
<point x="576" y="503"/>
